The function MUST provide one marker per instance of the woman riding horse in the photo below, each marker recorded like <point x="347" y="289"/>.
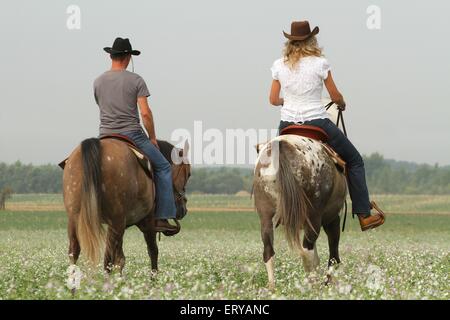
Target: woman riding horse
<point x="301" y="73"/>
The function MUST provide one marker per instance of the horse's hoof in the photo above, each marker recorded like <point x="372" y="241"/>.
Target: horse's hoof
<point x="153" y="273"/>
<point x="271" y="286"/>
<point x="329" y="280"/>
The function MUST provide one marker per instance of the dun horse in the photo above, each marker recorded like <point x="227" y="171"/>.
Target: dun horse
<point x="105" y="184"/>
<point x="297" y="185"/>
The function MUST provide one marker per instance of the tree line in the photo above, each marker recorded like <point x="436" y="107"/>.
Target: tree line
<point x="28" y="178"/>
<point x="383" y="176"/>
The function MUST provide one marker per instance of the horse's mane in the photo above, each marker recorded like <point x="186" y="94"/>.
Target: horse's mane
<point x="166" y="149"/>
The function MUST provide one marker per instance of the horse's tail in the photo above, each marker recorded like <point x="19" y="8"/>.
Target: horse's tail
<point x="293" y="204"/>
<point x="90" y="232"/>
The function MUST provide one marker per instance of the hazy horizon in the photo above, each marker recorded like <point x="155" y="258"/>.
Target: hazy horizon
<point x="210" y="61"/>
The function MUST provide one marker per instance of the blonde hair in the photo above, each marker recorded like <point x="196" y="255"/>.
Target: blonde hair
<point x="294" y="50"/>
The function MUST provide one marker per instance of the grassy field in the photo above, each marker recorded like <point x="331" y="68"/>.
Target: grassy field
<point x="410" y="204"/>
<point x="218" y="255"/>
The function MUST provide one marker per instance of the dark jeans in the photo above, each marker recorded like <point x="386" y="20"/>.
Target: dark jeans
<point x="356" y="175"/>
<point x="162" y="171"/>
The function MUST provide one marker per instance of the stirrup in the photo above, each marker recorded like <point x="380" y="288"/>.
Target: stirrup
<point x="172" y="233"/>
<point x="373" y="205"/>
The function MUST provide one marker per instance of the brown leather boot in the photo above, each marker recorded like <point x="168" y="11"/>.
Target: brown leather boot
<point x="372" y="221"/>
<point x="163" y="225"/>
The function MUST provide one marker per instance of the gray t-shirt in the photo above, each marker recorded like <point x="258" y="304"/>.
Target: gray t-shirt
<point x="116" y="94"/>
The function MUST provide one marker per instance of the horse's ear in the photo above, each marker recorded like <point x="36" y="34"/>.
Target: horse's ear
<point x="176" y="156"/>
<point x="258" y="147"/>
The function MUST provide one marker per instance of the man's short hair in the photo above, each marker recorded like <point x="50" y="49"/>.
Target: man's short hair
<point x="119" y="56"/>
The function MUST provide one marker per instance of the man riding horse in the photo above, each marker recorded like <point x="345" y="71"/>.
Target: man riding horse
<point x="118" y="93"/>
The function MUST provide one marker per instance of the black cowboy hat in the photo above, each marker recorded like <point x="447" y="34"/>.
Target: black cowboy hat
<point x="300" y="30"/>
<point x="121" y="46"/>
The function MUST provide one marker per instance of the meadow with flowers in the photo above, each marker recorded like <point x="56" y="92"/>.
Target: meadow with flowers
<point x="218" y="255"/>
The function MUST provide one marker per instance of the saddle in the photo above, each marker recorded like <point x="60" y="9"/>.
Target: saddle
<point x="140" y="155"/>
<point x="318" y="134"/>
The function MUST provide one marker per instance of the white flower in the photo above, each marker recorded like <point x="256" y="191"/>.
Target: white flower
<point x="344" y="288"/>
<point x="74" y="277"/>
<point x="375" y="278"/>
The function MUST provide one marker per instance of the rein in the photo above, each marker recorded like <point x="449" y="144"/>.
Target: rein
<point x="340" y="119"/>
<point x="179" y="195"/>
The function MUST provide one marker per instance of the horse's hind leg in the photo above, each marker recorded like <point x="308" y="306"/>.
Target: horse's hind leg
<point x="309" y="254"/>
<point x="74" y="245"/>
<point x="147" y="228"/>
<point x="333" y="232"/>
<point x="114" y="256"/>
<point x="267" y="239"/>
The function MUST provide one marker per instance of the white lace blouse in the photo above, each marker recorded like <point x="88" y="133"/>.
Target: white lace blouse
<point x="302" y="88"/>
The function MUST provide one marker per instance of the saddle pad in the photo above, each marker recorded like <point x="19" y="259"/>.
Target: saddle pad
<point x="143" y="161"/>
<point x="338" y="161"/>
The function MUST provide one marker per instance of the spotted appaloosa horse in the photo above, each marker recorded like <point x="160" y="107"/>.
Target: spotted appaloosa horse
<point x="104" y="183"/>
<point x="297" y="185"/>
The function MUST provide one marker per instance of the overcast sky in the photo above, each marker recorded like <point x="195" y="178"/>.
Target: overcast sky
<point x="210" y="60"/>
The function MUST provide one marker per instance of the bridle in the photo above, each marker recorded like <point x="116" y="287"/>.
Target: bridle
<point x="179" y="195"/>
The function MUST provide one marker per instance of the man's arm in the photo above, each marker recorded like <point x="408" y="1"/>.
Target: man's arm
<point x="147" y="118"/>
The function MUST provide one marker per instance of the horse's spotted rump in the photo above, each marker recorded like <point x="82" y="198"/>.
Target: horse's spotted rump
<point x="310" y="161"/>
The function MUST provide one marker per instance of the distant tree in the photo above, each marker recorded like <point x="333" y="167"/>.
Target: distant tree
<point x="382" y="175"/>
<point x="5" y="194"/>
<point x="31" y="179"/>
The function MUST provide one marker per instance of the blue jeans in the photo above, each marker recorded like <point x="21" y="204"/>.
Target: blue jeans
<point x="356" y="175"/>
<point x="162" y="172"/>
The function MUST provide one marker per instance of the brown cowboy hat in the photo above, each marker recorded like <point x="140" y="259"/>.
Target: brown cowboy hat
<point x="300" y="30"/>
